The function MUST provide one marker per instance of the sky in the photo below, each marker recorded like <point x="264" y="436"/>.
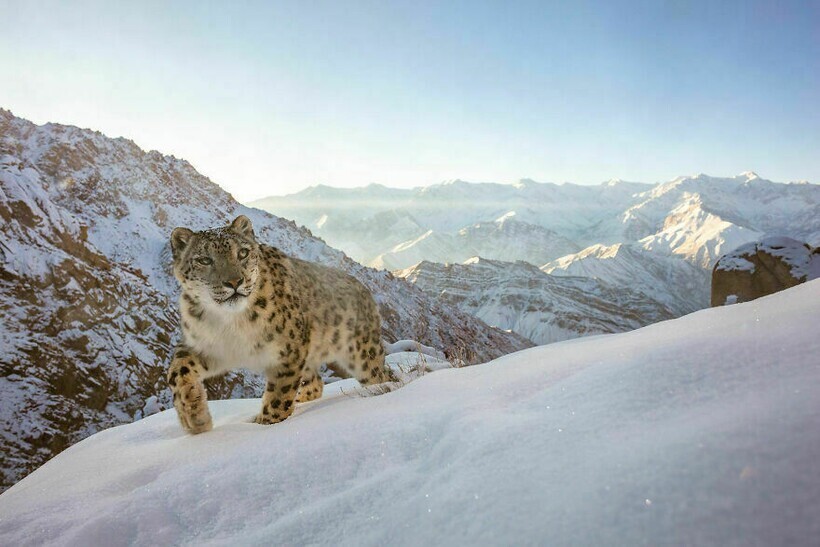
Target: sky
<point x="267" y="98"/>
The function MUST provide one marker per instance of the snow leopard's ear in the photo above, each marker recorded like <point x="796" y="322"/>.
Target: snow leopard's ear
<point x="242" y="226"/>
<point x="180" y="238"/>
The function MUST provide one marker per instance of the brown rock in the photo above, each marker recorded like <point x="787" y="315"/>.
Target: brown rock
<point x="761" y="268"/>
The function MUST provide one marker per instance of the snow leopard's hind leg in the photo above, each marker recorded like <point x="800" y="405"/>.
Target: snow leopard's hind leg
<point x="368" y="365"/>
<point x="310" y="388"/>
<point x="283" y="384"/>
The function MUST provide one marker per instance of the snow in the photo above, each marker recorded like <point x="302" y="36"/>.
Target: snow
<point x="794" y="253"/>
<point x="408" y="364"/>
<point x="413" y="346"/>
<point x="797" y="256"/>
<point x="695" y="234"/>
<point x="701" y="430"/>
<point x="506" y="216"/>
<point x="662" y="240"/>
<point x="736" y="263"/>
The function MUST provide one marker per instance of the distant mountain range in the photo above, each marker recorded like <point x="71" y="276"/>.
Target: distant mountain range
<point x="87" y="300"/>
<point x="693" y="217"/>
<point x="659" y="240"/>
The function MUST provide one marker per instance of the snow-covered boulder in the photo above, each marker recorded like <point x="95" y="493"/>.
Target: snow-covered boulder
<point x="763" y="267"/>
<point x="697" y="431"/>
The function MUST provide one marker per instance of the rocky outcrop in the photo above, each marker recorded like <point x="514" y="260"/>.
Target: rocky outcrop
<point x="764" y="267"/>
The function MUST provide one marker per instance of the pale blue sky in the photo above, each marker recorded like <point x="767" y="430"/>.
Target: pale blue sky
<point x="267" y="98"/>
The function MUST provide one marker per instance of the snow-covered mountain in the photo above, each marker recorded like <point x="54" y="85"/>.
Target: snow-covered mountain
<point x="708" y="206"/>
<point x="659" y="239"/>
<point x="503" y="239"/>
<point x="697" y="431"/>
<point x="544" y="308"/>
<point x="687" y="213"/>
<point x="678" y="284"/>
<point x="566" y="210"/>
<point x="87" y="300"/>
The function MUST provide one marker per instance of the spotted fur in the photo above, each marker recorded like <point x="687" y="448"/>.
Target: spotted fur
<point x="246" y="304"/>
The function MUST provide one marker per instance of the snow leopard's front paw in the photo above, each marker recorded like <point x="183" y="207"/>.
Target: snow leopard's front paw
<point x="190" y="398"/>
<point x="191" y="402"/>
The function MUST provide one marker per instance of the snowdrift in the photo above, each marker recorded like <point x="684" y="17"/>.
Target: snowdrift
<point x="700" y="430"/>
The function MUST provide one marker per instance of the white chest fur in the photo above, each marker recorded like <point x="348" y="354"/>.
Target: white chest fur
<point x="229" y="340"/>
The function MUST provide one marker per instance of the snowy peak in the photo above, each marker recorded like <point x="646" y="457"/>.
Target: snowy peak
<point x="721" y="213"/>
<point x="710" y="185"/>
<point x="506" y="216"/>
<point x="696" y="234"/>
<point x="677" y="284"/>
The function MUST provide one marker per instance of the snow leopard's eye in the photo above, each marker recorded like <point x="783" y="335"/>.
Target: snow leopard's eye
<point x="205" y="261"/>
<point x="242" y="254"/>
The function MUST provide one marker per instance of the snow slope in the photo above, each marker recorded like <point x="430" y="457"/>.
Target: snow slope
<point x="696" y="431"/>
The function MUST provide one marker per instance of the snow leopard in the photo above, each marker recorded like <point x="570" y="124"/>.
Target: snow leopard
<point x="247" y="304"/>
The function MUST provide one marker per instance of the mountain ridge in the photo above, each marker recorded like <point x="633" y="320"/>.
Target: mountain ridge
<point x="673" y="231"/>
<point x="544" y="308"/>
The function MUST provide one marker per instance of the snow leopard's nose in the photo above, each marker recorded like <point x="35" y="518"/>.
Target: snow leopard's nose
<point x="234" y="283"/>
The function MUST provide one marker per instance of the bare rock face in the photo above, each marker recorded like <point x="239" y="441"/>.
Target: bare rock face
<point x="764" y="267"/>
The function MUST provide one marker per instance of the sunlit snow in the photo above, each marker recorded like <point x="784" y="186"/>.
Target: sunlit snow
<point x="699" y="430"/>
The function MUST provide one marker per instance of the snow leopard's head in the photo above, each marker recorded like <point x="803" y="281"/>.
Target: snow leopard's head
<point x="217" y="266"/>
